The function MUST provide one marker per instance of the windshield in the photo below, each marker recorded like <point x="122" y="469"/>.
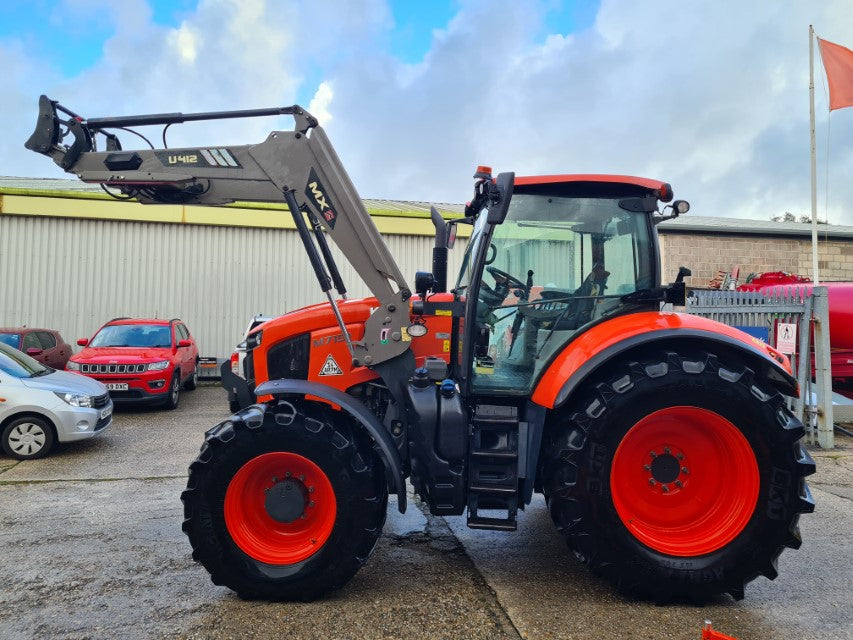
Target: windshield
<point x="12" y="339"/>
<point x="20" y="365"/>
<point x="133" y="335"/>
<point x="556" y="264"/>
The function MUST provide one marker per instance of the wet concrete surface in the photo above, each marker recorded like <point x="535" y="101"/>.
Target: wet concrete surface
<point x="92" y="548"/>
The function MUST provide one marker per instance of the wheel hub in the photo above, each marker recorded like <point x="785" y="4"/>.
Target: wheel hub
<point x="666" y="469"/>
<point x="285" y="501"/>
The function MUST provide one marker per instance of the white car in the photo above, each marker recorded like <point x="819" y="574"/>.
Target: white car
<point x="40" y="406"/>
<point x="236" y="362"/>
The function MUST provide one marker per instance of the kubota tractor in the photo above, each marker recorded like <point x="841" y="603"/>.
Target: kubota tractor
<point x="661" y="441"/>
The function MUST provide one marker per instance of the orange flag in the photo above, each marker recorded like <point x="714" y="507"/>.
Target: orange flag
<point x="838" y="62"/>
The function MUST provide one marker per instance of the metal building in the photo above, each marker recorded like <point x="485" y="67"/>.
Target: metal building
<point x="72" y="258"/>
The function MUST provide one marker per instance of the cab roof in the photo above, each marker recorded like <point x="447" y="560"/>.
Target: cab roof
<point x="662" y="189"/>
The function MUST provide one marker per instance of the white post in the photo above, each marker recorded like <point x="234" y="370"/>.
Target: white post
<point x="815" y="276"/>
<point x="822" y="370"/>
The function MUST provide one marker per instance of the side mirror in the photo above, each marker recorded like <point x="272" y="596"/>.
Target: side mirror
<point x="34" y="351"/>
<point x="500" y="194"/>
<point x="682" y="273"/>
<point x="184" y="343"/>
<point x="83" y="342"/>
<point x="451" y="234"/>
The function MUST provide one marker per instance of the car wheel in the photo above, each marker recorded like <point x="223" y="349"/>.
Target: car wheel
<point x="174" y="394"/>
<point x="27" y="438"/>
<point x="191" y="382"/>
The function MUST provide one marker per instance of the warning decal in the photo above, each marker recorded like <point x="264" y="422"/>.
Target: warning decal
<point x="330" y="367"/>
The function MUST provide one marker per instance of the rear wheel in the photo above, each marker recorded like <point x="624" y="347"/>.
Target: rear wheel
<point x="192" y="381"/>
<point x="281" y="505"/>
<point x="680" y="477"/>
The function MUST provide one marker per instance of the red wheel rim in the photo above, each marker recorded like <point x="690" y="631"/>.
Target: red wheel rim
<point x="253" y="529"/>
<point x="684" y="481"/>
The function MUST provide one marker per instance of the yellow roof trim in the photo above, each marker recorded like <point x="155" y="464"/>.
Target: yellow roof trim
<point x="71" y="204"/>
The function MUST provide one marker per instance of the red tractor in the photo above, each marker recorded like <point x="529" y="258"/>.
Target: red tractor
<point x="661" y="441"/>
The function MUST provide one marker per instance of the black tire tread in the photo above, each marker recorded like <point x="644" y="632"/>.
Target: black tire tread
<point x="576" y="438"/>
<point x="368" y="516"/>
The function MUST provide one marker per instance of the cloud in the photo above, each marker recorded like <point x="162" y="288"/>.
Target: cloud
<point x="711" y="96"/>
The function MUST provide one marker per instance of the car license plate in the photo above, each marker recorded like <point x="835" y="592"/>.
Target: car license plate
<point x="116" y="386"/>
<point x="106" y="412"/>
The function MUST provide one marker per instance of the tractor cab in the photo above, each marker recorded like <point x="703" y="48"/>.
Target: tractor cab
<point x="571" y="251"/>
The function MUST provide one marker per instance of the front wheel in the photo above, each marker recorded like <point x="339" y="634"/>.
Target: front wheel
<point x="28" y="438"/>
<point x="282" y="505"/>
<point x="173" y="395"/>
<point x="680" y="477"/>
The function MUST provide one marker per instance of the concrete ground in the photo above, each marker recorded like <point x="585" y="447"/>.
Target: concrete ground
<point x="92" y="547"/>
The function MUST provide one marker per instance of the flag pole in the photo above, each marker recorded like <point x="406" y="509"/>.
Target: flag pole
<point x="815" y="277"/>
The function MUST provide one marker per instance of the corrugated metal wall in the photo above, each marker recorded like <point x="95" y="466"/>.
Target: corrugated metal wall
<point x="73" y="274"/>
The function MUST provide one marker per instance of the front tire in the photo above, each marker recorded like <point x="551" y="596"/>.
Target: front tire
<point x="284" y="505"/>
<point x="680" y="477"/>
<point x="173" y="395"/>
<point x="28" y="438"/>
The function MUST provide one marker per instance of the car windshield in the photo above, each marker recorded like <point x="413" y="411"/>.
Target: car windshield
<point x="20" y="365"/>
<point x="133" y="335"/>
<point x="12" y="339"/>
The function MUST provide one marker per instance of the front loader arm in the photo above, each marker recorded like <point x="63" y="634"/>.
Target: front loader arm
<point x="299" y="167"/>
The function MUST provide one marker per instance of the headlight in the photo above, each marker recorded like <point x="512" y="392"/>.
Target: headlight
<point x="254" y="339"/>
<point x="72" y="366"/>
<point x="75" y="399"/>
<point x="158" y="366"/>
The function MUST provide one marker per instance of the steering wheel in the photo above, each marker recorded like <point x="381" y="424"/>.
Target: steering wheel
<point x="510" y="281"/>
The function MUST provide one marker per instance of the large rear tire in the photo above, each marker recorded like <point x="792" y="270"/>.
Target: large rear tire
<point x="678" y="477"/>
<point x="283" y="504"/>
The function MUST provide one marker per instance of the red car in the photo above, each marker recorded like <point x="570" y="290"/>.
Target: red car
<point x="45" y="345"/>
<point x="140" y="360"/>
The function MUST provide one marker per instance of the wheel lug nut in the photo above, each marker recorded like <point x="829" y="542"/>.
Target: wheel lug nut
<point x="287" y="474"/>
<point x="310" y="489"/>
<point x="680" y="456"/>
<point x="274" y="479"/>
<point x="647" y="467"/>
<point x="685" y="470"/>
<point x="653" y="454"/>
<point x="303" y="516"/>
<point x="652" y="482"/>
<point x="311" y="504"/>
<point x="679" y="484"/>
<point x="664" y="488"/>
<point x="302" y="478"/>
<point x="666" y="450"/>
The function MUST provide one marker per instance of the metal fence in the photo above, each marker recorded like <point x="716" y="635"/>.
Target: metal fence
<point x="808" y="308"/>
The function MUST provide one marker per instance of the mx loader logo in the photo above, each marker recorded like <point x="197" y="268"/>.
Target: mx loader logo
<point x="317" y="194"/>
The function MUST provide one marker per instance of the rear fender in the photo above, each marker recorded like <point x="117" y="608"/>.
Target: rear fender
<point x="613" y="338"/>
<point x="378" y="433"/>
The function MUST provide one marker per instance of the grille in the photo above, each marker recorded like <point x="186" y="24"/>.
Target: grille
<point x="112" y="368"/>
<point x="289" y="359"/>
<point x="100" y="401"/>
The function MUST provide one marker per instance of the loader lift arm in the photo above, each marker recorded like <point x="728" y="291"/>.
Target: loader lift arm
<point x="298" y="167"/>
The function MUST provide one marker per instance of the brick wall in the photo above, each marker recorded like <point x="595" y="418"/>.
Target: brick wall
<point x="705" y="254"/>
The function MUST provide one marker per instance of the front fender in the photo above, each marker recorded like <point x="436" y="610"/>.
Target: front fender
<point x="387" y="449"/>
<point x="605" y="341"/>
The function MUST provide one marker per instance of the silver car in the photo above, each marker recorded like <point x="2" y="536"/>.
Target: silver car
<point x="40" y="406"/>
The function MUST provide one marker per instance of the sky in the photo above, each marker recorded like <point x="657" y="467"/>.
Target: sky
<point x="708" y="95"/>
